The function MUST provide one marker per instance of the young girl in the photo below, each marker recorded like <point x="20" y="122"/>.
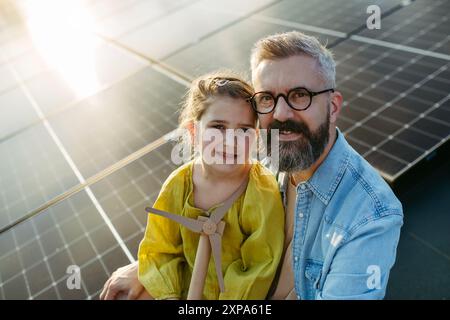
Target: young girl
<point x="252" y="241"/>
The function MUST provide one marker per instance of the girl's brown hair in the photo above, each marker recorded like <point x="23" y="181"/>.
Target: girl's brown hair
<point x="222" y="83"/>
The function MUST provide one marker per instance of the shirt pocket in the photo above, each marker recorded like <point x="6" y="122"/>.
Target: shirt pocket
<point x="313" y="273"/>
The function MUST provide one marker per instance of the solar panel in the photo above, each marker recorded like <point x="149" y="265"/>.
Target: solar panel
<point x="391" y="104"/>
<point x="230" y="48"/>
<point x="97" y="132"/>
<point x="52" y="91"/>
<point x="17" y="111"/>
<point x="31" y="265"/>
<point x="35" y="255"/>
<point x="120" y="120"/>
<point x="48" y="85"/>
<point x="341" y="15"/>
<point x="134" y="15"/>
<point x="178" y="30"/>
<point x="397" y="111"/>
<point x="27" y="181"/>
<point x="423" y="25"/>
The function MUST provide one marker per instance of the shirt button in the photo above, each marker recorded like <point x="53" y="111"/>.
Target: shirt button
<point x="295" y="258"/>
<point x="298" y="297"/>
<point x="302" y="186"/>
<point x="300" y="215"/>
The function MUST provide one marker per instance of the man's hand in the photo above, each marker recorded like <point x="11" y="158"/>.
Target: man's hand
<point x="124" y="285"/>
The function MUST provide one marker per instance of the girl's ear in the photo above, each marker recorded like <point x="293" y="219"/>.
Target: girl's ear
<point x="257" y="132"/>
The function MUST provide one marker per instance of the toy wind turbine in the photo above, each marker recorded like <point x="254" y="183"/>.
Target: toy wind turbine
<point x="211" y="231"/>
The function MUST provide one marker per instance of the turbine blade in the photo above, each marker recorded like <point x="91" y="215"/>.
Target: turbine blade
<point x="191" y="224"/>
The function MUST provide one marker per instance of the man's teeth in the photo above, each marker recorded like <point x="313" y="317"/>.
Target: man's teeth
<point x="286" y="132"/>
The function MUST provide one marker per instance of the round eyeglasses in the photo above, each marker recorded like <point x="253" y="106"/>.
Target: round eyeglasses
<point x="297" y="98"/>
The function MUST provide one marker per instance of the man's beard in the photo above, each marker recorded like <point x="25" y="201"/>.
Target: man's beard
<point x="300" y="154"/>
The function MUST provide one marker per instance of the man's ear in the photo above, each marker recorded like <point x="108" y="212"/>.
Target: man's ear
<point x="335" y="106"/>
<point x="256" y="136"/>
<point x="191" y="127"/>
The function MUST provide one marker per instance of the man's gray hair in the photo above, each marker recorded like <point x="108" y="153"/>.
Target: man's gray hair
<point x="285" y="45"/>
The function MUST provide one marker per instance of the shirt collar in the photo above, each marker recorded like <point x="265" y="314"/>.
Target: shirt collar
<point x="326" y="178"/>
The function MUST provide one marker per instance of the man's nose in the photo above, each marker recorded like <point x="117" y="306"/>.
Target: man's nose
<point x="282" y="110"/>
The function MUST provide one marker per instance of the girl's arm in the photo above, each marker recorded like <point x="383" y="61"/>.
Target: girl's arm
<point x="262" y="218"/>
<point x="161" y="257"/>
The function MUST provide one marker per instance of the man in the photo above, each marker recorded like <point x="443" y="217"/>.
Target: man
<point x="342" y="220"/>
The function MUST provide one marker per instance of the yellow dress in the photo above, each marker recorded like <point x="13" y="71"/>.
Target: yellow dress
<point x="252" y="241"/>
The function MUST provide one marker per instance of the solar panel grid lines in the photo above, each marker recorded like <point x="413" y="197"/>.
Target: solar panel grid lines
<point x="60" y="283"/>
<point x="402" y="47"/>
<point x="74" y="168"/>
<point x="401" y="143"/>
<point x="391" y="30"/>
<point x="69" y="244"/>
<point x="144" y="170"/>
<point x="48" y="116"/>
<point x="347" y="16"/>
<point x="431" y="149"/>
<point x="114" y="145"/>
<point x="50" y="90"/>
<point x="301" y="26"/>
<point x="424" y="23"/>
<point x="398" y="97"/>
<point x="228" y="50"/>
<point x="135" y="16"/>
<point x="132" y="157"/>
<point x="23" y="189"/>
<point x="125" y="215"/>
<point x="368" y="112"/>
<point x="175" y="26"/>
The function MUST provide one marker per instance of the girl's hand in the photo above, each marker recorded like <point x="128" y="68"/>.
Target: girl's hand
<point x="124" y="285"/>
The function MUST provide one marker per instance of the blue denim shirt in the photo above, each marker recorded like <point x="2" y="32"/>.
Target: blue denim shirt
<point x="346" y="229"/>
